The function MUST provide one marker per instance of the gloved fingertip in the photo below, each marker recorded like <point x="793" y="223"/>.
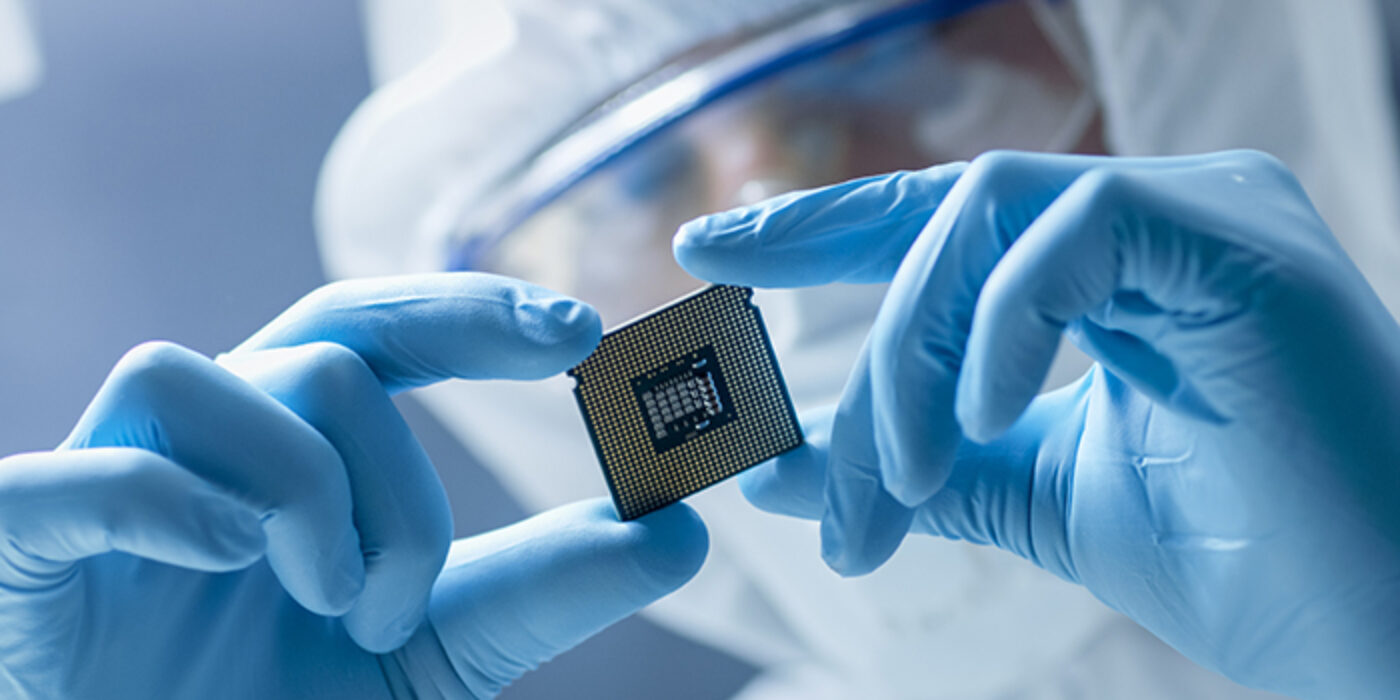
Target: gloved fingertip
<point x="382" y="639"/>
<point x="973" y="403"/>
<point x="704" y="230"/>
<point x="766" y="488"/>
<point x="839" y="555"/>
<point x="711" y="249"/>
<point x="789" y="485"/>
<point x="238" y="539"/>
<point x="910" y="489"/>
<point x="671" y="545"/>
<point x="978" y="418"/>
<point x="345" y="578"/>
<point x="983" y="432"/>
<point x="911" y="473"/>
<point x="402" y="629"/>
<point x="863" y="524"/>
<point x="688" y="254"/>
<point x="568" y="327"/>
<point x="690" y="236"/>
<point x="758" y="484"/>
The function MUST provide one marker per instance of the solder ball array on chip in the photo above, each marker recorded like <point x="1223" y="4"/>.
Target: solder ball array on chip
<point x="684" y="397"/>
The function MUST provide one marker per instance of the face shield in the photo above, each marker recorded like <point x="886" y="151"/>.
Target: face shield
<point x="854" y="90"/>
<point x="20" y="67"/>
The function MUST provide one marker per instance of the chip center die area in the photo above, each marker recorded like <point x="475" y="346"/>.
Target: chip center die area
<point x="683" y="398"/>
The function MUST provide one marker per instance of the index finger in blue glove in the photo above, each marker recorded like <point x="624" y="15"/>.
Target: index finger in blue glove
<point x="514" y="598"/>
<point x="855" y="231"/>
<point x="465" y="325"/>
<point x="858" y="231"/>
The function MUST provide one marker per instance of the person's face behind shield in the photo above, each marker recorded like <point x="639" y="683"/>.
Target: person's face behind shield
<point x="916" y="96"/>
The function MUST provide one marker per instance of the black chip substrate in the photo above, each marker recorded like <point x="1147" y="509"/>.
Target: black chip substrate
<point x="683" y="398"/>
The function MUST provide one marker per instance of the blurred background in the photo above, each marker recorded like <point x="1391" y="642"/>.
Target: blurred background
<point x="158" y="184"/>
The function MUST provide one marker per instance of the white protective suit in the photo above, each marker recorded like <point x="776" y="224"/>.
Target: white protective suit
<point x="466" y="90"/>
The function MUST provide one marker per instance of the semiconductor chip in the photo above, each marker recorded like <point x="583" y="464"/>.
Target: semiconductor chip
<point x="683" y="398"/>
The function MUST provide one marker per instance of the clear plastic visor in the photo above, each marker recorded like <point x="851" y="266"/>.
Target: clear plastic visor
<point x="593" y="214"/>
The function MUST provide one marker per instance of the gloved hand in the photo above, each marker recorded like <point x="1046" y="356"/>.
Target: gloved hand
<point x="1228" y="474"/>
<point x="266" y="525"/>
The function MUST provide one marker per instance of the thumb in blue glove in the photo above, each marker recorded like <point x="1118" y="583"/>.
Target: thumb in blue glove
<point x="1228" y="475"/>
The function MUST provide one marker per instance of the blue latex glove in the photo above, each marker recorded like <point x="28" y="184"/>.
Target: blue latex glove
<point x="1228" y="475"/>
<point x="267" y="526"/>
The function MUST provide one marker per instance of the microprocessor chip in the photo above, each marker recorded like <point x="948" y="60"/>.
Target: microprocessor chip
<point x="683" y="398"/>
